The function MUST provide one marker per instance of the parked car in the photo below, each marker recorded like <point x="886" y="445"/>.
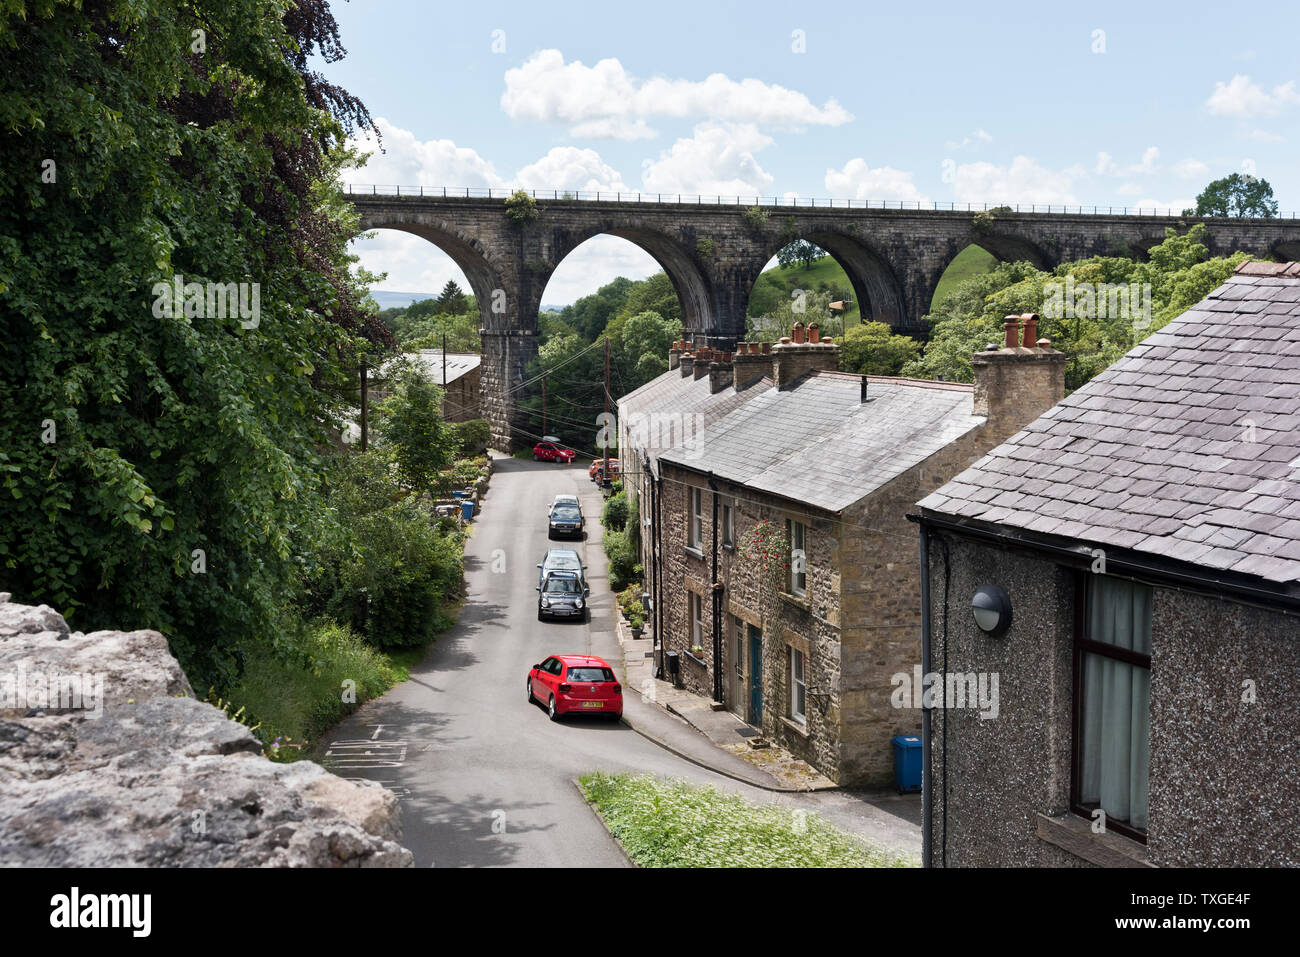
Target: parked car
<point x="562" y="595"/>
<point x="563" y="560"/>
<point x="550" y="452"/>
<point x="576" y="683"/>
<point x="564" y="500"/>
<point x="565" y="520"/>
<point x="597" y="468"/>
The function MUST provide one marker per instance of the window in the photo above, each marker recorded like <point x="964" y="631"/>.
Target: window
<point x="695" y="536"/>
<point x="798" y="687"/>
<point x="728" y="522"/>
<point x="798" y="535"/>
<point x="1112" y="673"/>
<point x="697" y="621"/>
<point x="591" y="675"/>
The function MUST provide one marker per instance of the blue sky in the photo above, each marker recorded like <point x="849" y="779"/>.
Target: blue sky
<point x="1112" y="104"/>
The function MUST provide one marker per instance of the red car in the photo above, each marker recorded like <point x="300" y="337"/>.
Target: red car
<point x="576" y="683"/>
<point x="549" y="452"/>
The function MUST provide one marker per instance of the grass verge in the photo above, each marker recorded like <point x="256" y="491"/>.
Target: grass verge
<point x="675" y="824"/>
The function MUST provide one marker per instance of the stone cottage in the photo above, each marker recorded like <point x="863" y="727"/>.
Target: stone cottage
<point x="1128" y="566"/>
<point x="828" y="464"/>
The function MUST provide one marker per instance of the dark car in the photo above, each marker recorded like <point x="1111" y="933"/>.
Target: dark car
<point x="565" y="522"/>
<point x="562" y="595"/>
<point x="562" y="560"/>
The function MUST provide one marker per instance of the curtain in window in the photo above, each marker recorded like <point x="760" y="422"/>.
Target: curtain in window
<point x="1116" y="702"/>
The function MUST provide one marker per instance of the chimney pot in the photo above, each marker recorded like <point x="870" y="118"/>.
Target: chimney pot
<point x="1012" y="327"/>
<point x="1031" y="329"/>
<point x="827" y="340"/>
<point x="767" y="348"/>
<point x="785" y="341"/>
<point x="812" y="333"/>
<point x="1045" y="345"/>
<point x="797" y="332"/>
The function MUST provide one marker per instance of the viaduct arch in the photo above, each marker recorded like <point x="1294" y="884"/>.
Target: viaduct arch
<point x="714" y="253"/>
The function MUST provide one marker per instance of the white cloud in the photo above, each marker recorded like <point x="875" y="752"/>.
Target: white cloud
<point x="412" y="264"/>
<point x="411" y="162"/>
<point x="596" y="262"/>
<point x="858" y="181"/>
<point x="1264" y="136"/>
<point x="975" y="136"/>
<point x="1129" y="189"/>
<point x="1190" y="169"/>
<point x="1242" y="96"/>
<point x="1024" y="181"/>
<point x="604" y="99"/>
<point x="613" y="128"/>
<point x="717" y="158"/>
<point x="570" y="168"/>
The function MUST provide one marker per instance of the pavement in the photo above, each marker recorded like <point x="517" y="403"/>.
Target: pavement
<point x="483" y="777"/>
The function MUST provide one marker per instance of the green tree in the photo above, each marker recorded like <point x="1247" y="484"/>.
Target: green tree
<point x="452" y="300"/>
<point x="410" y="427"/>
<point x="179" y="487"/>
<point x="872" y="348"/>
<point x="1237" y="194"/>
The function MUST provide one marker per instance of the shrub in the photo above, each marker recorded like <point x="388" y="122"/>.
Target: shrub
<point x="622" y="559"/>
<point x="521" y="208"/>
<point x="706" y="248"/>
<point x="755" y="217"/>
<point x="470" y="437"/>
<point x="614" y="515"/>
<point x="391" y="577"/>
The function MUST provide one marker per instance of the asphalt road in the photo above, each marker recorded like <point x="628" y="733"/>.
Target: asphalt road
<point x="484" y="778"/>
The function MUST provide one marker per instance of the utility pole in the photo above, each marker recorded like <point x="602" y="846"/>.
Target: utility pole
<point x="605" y="473"/>
<point x="444" y="375"/>
<point x="544" y="432"/>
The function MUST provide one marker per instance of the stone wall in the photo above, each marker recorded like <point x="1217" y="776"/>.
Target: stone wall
<point x="133" y="771"/>
<point x="463" y="399"/>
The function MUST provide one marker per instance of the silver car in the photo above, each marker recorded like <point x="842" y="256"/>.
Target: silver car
<point x="563" y="560"/>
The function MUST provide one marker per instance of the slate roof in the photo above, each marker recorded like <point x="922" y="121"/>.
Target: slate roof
<point x="819" y="443"/>
<point x="458" y="364"/>
<point x="1156" y="453"/>
<point x="672" y="394"/>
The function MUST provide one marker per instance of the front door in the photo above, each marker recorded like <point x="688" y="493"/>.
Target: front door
<point x="736" y="692"/>
<point x="755" y="676"/>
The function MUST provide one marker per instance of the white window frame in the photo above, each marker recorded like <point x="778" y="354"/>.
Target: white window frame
<point x="798" y="686"/>
<point x="695" y="508"/>
<point x="798" y="581"/>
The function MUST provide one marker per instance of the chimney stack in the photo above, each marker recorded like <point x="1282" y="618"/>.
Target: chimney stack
<point x="749" y="365"/>
<point x="790" y="360"/>
<point x="721" y="372"/>
<point x="686" y="362"/>
<point x="675" y="354"/>
<point x="1016" y="384"/>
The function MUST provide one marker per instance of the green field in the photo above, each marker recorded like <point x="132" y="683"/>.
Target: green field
<point x="827" y="275"/>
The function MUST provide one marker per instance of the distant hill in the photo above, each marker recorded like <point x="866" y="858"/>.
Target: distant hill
<point x="397" y="300"/>
<point x="779" y="281"/>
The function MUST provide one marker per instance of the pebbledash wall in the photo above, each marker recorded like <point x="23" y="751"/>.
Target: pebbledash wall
<point x="860" y="622"/>
<point x="1223" y="773"/>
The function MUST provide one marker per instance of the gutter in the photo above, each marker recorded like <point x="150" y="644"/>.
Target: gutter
<point x="1151" y="569"/>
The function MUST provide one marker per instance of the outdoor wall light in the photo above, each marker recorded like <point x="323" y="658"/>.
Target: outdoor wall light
<point x="992" y="610"/>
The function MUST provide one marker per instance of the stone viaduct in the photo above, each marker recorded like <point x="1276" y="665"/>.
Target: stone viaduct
<point x="713" y="253"/>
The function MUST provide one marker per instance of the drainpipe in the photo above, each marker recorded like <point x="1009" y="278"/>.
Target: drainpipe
<point x="656" y="576"/>
<point x="717" y="601"/>
<point x="927" y="787"/>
